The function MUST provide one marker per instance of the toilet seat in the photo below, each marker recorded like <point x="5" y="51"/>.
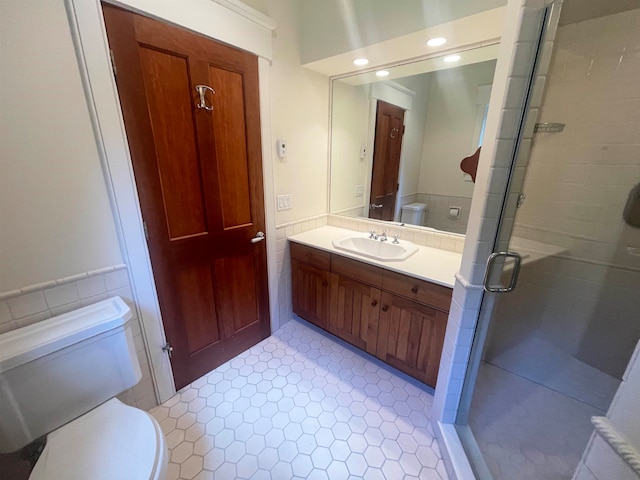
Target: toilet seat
<point x="112" y="441"/>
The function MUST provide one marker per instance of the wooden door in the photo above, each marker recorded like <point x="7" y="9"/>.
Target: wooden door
<point x="386" y="160"/>
<point x="410" y="337"/>
<point x="199" y="179"/>
<point x="355" y="309"/>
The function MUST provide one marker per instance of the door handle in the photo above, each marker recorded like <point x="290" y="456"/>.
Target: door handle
<point x="514" y="276"/>
<point x="258" y="238"/>
<point x="202" y="90"/>
<point x="374" y="205"/>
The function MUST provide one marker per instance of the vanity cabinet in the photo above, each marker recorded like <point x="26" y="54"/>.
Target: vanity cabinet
<point x="410" y="337"/>
<point x="355" y="302"/>
<point x="310" y="277"/>
<point x="399" y="319"/>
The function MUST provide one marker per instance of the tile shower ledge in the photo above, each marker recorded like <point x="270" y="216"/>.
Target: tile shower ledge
<point x="430" y="264"/>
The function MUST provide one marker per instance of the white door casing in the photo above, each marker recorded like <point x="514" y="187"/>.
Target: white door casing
<point x="228" y="21"/>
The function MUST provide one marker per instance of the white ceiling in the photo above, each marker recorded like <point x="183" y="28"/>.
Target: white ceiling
<point x="473" y="31"/>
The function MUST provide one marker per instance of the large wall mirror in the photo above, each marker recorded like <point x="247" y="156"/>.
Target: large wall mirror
<point x="398" y="137"/>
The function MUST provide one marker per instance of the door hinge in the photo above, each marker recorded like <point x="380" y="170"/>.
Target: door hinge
<point x="146" y="231"/>
<point x="113" y="63"/>
<point x="168" y="348"/>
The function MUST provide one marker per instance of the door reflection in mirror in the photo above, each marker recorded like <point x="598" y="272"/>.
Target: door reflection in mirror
<point x="445" y="112"/>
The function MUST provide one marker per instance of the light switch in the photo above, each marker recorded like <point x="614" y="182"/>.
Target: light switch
<point x="284" y="202"/>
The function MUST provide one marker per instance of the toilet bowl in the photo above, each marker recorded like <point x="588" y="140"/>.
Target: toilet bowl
<point x="59" y="377"/>
<point x="112" y="441"/>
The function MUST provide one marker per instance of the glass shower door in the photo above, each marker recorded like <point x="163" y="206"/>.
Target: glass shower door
<point x="550" y="354"/>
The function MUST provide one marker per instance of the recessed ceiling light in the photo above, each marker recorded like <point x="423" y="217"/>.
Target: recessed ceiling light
<point x="436" y="42"/>
<point x="382" y="73"/>
<point x="360" y="61"/>
<point x="451" y="58"/>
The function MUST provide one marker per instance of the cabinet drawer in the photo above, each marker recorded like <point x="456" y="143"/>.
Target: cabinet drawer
<point x="424" y="292"/>
<point x="357" y="270"/>
<point x="312" y="256"/>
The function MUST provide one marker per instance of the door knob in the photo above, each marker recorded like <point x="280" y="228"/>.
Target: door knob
<point x="258" y="238"/>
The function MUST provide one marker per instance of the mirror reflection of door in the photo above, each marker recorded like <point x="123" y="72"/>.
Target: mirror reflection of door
<point x="386" y="160"/>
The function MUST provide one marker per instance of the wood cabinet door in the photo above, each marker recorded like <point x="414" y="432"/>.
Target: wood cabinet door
<point x="310" y="293"/>
<point x="355" y="308"/>
<point x="410" y="337"/>
<point x="198" y="170"/>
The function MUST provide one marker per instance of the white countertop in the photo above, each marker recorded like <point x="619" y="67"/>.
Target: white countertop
<point x="431" y="264"/>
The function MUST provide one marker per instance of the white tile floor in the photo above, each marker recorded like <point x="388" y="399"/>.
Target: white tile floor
<point x="301" y="406"/>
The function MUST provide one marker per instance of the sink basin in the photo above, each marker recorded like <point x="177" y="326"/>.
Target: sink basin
<point x="382" y="251"/>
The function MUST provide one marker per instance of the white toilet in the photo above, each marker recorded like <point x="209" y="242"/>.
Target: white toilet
<point x="413" y="213"/>
<point x="59" y="378"/>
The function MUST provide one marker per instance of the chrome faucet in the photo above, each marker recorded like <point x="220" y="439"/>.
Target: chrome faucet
<point x="383" y="236"/>
<point x="372" y="234"/>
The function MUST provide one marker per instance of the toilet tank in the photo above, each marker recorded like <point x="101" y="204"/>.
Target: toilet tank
<point x="54" y="371"/>
<point x="413" y="213"/>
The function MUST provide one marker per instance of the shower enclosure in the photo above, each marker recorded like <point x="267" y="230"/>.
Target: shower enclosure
<point x="550" y="354"/>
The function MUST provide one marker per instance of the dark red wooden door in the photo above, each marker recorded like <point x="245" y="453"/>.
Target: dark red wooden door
<point x="199" y="178"/>
<point x="386" y="160"/>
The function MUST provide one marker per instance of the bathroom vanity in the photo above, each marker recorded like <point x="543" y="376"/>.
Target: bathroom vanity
<point x="387" y="309"/>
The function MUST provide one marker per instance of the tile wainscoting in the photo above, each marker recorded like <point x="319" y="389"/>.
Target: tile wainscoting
<point x="34" y="303"/>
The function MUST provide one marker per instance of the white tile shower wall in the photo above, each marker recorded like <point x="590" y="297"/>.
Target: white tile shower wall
<point x="578" y="182"/>
<point x="19" y="308"/>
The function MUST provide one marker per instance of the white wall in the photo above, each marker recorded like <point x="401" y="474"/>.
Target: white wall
<point x="349" y="132"/>
<point x="452" y="116"/>
<point x="55" y="219"/>
<point x="299" y="115"/>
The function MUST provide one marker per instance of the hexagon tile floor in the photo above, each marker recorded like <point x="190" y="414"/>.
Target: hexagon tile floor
<point x="300" y="406"/>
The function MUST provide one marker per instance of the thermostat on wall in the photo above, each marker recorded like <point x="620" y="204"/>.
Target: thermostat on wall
<point x="281" y="147"/>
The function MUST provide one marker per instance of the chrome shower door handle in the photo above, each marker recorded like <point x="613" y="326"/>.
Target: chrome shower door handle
<point x="202" y="90"/>
<point x="514" y="275"/>
<point x="258" y="238"/>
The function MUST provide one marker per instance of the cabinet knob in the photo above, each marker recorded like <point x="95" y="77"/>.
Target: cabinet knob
<point x="414" y="289"/>
<point x="374" y="303"/>
<point x="385" y="308"/>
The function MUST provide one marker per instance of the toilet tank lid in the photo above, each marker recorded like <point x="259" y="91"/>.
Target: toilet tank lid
<point x="414" y="206"/>
<point x="25" y="344"/>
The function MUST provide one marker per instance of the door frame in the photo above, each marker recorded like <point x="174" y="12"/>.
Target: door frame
<point x="228" y="21"/>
